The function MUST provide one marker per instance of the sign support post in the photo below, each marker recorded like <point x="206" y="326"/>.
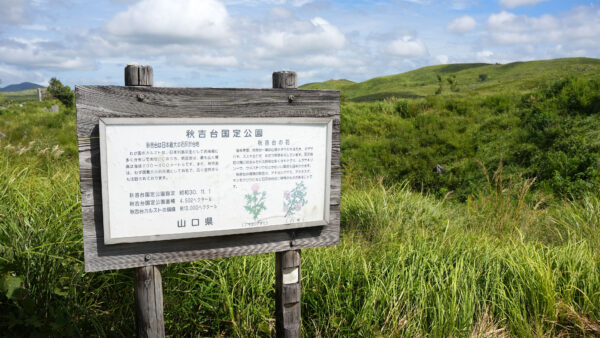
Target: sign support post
<point x="148" y="282"/>
<point x="287" y="263"/>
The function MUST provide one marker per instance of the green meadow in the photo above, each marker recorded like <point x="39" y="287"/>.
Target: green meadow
<point x="502" y="241"/>
<point x="29" y="95"/>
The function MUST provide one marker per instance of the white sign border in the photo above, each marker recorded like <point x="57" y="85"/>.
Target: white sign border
<point x="103" y="122"/>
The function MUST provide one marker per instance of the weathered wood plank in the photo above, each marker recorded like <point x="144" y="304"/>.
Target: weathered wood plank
<point x="132" y="73"/>
<point x="287" y="296"/>
<point x="148" y="282"/>
<point x="139" y="75"/>
<point x="285" y="79"/>
<point x="287" y="293"/>
<point x="145" y="76"/>
<point x="94" y="102"/>
<point x="149" y="302"/>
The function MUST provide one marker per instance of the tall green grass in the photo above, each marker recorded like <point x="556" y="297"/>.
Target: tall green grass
<point x="550" y="134"/>
<point x="508" y="262"/>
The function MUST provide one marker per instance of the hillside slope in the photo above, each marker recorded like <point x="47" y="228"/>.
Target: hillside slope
<point x="21" y="86"/>
<point x="471" y="78"/>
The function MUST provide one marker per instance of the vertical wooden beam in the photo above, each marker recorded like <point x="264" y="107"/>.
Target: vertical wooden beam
<point x="287" y="294"/>
<point x="148" y="282"/>
<point x="39" y="93"/>
<point x="285" y="79"/>
<point x="287" y="263"/>
<point x="149" y="302"/>
<point x="136" y="75"/>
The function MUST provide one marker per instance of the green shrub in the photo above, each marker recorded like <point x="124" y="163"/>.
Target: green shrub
<point x="550" y="134"/>
<point x="402" y="108"/>
<point x="61" y="92"/>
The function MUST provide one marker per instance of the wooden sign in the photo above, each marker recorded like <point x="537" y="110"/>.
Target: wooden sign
<point x="226" y="206"/>
<point x="170" y="178"/>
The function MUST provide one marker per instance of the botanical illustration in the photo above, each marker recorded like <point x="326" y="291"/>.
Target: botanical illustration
<point x="255" y="202"/>
<point x="295" y="199"/>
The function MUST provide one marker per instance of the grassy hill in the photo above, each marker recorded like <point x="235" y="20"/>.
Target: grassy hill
<point x="516" y="76"/>
<point x="21" y="86"/>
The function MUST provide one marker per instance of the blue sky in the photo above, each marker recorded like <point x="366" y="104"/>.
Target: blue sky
<point x="239" y="43"/>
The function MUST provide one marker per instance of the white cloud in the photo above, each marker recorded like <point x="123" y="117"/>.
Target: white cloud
<point x="210" y="61"/>
<point x="484" y="54"/>
<point x="40" y="28"/>
<point x="295" y="3"/>
<point x="38" y="53"/>
<point x="577" y="29"/>
<point x="407" y="47"/>
<point x="17" y="75"/>
<point x="280" y="13"/>
<point x="461" y="25"/>
<point x="13" y="11"/>
<point x="301" y="37"/>
<point x="462" y="4"/>
<point x="517" y="3"/>
<point x="442" y="59"/>
<point x="170" y="22"/>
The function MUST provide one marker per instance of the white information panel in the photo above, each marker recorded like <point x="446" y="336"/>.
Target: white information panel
<point x="166" y="178"/>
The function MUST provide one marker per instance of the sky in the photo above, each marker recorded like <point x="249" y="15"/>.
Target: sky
<point x="239" y="43"/>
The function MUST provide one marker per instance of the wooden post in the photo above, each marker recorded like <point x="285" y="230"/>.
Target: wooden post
<point x="287" y="294"/>
<point x="149" y="302"/>
<point x="39" y="92"/>
<point x="287" y="263"/>
<point x="148" y="283"/>
<point x="136" y="75"/>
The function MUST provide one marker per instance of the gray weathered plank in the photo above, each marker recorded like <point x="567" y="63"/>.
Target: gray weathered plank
<point x="139" y="75"/>
<point x="149" y="302"/>
<point x="285" y="79"/>
<point x="287" y="296"/>
<point x="95" y="102"/>
<point x="149" y="316"/>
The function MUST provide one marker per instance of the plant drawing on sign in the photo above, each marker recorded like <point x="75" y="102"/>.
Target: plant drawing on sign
<point x="255" y="202"/>
<point x="295" y="199"/>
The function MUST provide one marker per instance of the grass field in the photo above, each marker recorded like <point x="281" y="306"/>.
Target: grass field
<point x="511" y="258"/>
<point x="29" y="95"/>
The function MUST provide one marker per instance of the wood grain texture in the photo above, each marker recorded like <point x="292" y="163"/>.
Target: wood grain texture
<point x="287" y="296"/>
<point x="94" y="102"/>
<point x="285" y="79"/>
<point x="149" y="302"/>
<point x="132" y="75"/>
<point x="288" y="317"/>
<point x="139" y="75"/>
<point x="145" y="76"/>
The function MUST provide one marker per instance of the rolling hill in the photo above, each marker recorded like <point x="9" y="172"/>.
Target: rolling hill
<point x="471" y="78"/>
<point x="21" y="86"/>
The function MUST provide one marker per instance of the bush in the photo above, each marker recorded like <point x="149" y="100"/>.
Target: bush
<point x="402" y="108"/>
<point x="61" y="92"/>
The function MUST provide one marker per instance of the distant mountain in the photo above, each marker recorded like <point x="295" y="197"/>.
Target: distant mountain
<point x="20" y="86"/>
<point x="470" y="79"/>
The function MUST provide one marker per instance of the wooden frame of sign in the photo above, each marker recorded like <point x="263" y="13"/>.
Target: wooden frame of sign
<point x="96" y="102"/>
